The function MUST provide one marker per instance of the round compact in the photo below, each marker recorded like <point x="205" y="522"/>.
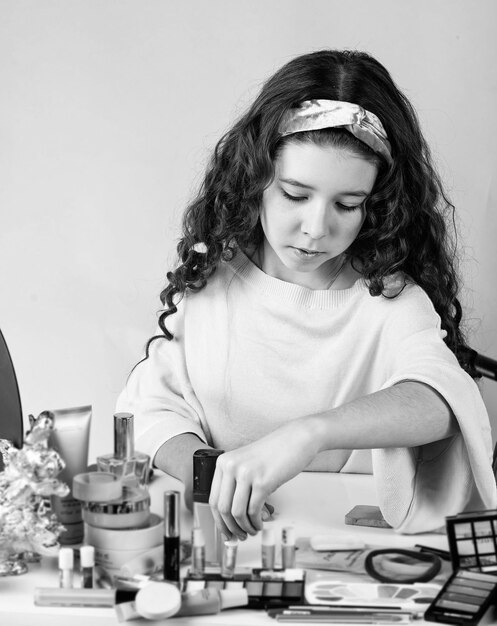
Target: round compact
<point x="131" y="538"/>
<point x="158" y="600"/>
<point x="97" y="487"/>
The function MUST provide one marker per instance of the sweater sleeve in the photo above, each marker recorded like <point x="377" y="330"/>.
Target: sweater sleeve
<point x="419" y="487"/>
<point x="158" y="392"/>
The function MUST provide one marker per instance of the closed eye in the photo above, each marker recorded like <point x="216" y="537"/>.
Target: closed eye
<point x="293" y="198"/>
<point x="348" y="207"/>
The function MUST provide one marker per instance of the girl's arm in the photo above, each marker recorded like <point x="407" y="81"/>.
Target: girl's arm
<point x="405" y="415"/>
<point x="175" y="457"/>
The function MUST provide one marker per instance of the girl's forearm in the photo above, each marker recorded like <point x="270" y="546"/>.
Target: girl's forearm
<point x="405" y="415"/>
<point x="175" y="456"/>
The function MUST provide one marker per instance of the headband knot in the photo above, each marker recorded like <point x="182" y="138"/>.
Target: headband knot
<point x="318" y="114"/>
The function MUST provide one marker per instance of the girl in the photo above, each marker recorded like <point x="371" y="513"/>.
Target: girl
<point x="312" y="321"/>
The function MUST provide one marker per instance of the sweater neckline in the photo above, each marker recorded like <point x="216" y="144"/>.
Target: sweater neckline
<point x="269" y="286"/>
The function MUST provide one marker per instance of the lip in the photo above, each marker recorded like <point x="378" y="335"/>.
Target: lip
<point x="307" y="250"/>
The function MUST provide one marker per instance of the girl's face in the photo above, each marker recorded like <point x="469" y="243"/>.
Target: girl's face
<point x="313" y="211"/>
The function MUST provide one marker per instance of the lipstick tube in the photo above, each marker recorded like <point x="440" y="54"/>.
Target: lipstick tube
<point x="171" y="536"/>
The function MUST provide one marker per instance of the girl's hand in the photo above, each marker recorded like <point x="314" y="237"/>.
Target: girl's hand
<point x="244" y="478"/>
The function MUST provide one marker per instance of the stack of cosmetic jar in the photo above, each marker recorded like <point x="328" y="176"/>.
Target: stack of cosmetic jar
<point x="116" y="506"/>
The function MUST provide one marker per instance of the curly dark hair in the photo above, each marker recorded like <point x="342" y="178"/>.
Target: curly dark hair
<point x="408" y="214"/>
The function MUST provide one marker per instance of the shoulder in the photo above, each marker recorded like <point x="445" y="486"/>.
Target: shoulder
<point x="405" y="306"/>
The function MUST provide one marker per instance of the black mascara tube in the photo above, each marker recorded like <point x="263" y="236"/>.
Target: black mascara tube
<point x="171" y="536"/>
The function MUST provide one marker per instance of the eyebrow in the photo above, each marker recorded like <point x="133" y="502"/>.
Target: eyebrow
<point x="296" y="183"/>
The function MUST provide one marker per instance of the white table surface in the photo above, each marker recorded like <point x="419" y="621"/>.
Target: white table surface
<point x="315" y="503"/>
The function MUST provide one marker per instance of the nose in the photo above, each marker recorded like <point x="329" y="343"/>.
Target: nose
<point x="315" y="220"/>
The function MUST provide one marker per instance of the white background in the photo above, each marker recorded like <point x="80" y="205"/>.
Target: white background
<point x="108" y="112"/>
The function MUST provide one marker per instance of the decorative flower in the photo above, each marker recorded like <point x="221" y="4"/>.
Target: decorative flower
<point x="27" y="523"/>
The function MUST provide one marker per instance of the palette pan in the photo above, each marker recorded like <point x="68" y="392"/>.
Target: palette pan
<point x="322" y="591"/>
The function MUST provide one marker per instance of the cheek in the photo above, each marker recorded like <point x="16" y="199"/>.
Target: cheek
<point x="353" y="226"/>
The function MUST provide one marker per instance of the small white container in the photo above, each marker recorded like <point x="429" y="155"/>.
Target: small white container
<point x="130" y="538"/>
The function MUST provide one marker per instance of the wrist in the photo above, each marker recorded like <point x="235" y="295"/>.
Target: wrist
<point x="316" y="428"/>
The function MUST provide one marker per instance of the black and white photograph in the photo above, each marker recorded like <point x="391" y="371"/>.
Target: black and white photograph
<point x="248" y="312"/>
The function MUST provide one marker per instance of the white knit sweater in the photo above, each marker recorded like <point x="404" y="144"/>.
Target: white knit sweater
<point x="251" y="352"/>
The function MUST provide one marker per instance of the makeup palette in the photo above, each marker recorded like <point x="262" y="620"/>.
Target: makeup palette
<point x="473" y="541"/>
<point x="265" y="588"/>
<point x="320" y="590"/>
<point x="464" y="599"/>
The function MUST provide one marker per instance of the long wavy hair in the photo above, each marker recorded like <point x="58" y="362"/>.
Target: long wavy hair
<point x="409" y="223"/>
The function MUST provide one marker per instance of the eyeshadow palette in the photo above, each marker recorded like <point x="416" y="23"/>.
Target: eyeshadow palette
<point x="265" y="588"/>
<point x="321" y="590"/>
<point x="473" y="541"/>
<point x="464" y="599"/>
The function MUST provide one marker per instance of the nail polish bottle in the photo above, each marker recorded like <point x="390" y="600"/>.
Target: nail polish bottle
<point x="132" y="467"/>
<point x="204" y="466"/>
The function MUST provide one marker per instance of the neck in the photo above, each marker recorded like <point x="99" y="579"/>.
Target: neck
<point x="319" y="281"/>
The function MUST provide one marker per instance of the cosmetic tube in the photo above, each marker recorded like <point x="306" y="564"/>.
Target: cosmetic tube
<point x="70" y="437"/>
<point x="66" y="566"/>
<point x="229" y="558"/>
<point x="288" y="547"/>
<point x="204" y="466"/>
<point x="198" y="553"/>
<point x="171" y="536"/>
<point x="52" y="596"/>
<point x="268" y="548"/>
<point x="87" y="563"/>
<point x="158" y="601"/>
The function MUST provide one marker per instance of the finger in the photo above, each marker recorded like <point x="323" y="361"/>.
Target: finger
<point x="228" y="488"/>
<point x="239" y="507"/>
<point x="256" y="502"/>
<point x="267" y="512"/>
<point x="213" y="502"/>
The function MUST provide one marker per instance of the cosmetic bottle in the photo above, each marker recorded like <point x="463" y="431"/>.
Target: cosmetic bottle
<point x="132" y="467"/>
<point x="288" y="547"/>
<point x="171" y="536"/>
<point x="230" y="549"/>
<point x="268" y="548"/>
<point x="87" y="564"/>
<point x="66" y="565"/>
<point x="204" y="466"/>
<point x="198" y="553"/>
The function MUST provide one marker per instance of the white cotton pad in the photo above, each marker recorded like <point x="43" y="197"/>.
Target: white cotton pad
<point x="158" y="600"/>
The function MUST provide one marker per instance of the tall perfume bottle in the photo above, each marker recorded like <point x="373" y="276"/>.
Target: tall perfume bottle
<point x="132" y="467"/>
<point x="204" y="466"/>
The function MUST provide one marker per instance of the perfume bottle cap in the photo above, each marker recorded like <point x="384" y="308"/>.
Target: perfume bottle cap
<point x="66" y="558"/>
<point x="204" y="466"/>
<point x="87" y="556"/>
<point x="158" y="600"/>
<point x="231" y="598"/>
<point x="124" y="445"/>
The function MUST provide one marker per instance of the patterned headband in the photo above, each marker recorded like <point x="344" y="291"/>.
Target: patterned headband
<point x="317" y="114"/>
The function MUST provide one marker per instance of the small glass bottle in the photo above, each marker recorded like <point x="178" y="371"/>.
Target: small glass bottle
<point x="132" y="467"/>
<point x="66" y="566"/>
